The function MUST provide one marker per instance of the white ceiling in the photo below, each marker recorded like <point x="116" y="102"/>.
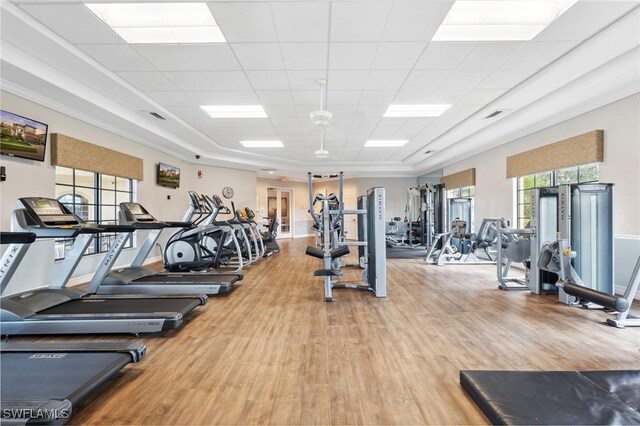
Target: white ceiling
<point x="372" y="53"/>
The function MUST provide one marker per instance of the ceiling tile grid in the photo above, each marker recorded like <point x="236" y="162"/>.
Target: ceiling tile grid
<point x="372" y="53"/>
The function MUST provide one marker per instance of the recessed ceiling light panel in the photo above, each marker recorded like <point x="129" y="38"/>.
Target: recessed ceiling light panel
<point x="385" y="143"/>
<point x="422" y="110"/>
<point x="262" y="144"/>
<point x="235" y="111"/>
<point x="499" y="20"/>
<point x="160" y="23"/>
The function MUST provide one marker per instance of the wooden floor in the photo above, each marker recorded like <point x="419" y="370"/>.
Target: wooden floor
<point x="274" y="352"/>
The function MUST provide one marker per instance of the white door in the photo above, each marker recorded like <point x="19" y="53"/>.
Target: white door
<point x="350" y="200"/>
<point x="279" y="205"/>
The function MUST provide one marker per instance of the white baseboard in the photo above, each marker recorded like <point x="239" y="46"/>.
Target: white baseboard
<point x="81" y="279"/>
<point x="303" y="236"/>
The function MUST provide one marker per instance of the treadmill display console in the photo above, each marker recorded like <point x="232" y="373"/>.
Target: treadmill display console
<point x="134" y="208"/>
<point x="45" y="207"/>
<point x="140" y="214"/>
<point x="50" y="211"/>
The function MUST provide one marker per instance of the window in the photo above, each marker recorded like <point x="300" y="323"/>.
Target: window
<point x="462" y="211"/>
<point x="94" y="197"/>
<point x="577" y="174"/>
<point x="466" y="192"/>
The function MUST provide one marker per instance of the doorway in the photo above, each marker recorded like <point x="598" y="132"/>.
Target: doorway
<point x="350" y="200"/>
<point x="280" y="208"/>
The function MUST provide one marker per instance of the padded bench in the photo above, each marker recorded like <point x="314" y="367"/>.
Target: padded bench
<point x="556" y="397"/>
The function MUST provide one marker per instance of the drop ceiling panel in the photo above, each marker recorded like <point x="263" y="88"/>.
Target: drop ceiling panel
<point x="189" y="112"/>
<point x="306" y="97"/>
<point x="427" y="80"/>
<point x="245" y="22"/>
<point x="304" y="56"/>
<point x="280" y="111"/>
<point x="371" y="111"/>
<point x="212" y="57"/>
<point x="446" y="96"/>
<point x="228" y="80"/>
<point x="268" y="80"/>
<point x="166" y="57"/>
<point x="301" y="21"/>
<point x="259" y="56"/>
<point x="190" y="80"/>
<point x="358" y="21"/>
<point x="207" y="97"/>
<point x="415" y="20"/>
<point x="464" y="79"/>
<point x="342" y="97"/>
<point x="149" y="81"/>
<point x="444" y="55"/>
<point x="74" y="22"/>
<point x="117" y="57"/>
<point x="413" y="96"/>
<point x="386" y="79"/>
<point x="276" y="97"/>
<point x="240" y="97"/>
<point x="347" y="80"/>
<point x="377" y="97"/>
<point x="408" y="132"/>
<point x="353" y="56"/>
<point x="398" y="56"/>
<point x="306" y="80"/>
<point x="505" y="79"/>
<point x="490" y="55"/>
<point x="481" y="96"/>
<point x="171" y="99"/>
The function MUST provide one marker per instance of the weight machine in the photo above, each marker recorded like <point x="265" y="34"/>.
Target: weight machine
<point x="329" y="223"/>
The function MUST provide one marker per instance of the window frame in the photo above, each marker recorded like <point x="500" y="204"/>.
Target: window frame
<point x="101" y="242"/>
<point x="523" y="205"/>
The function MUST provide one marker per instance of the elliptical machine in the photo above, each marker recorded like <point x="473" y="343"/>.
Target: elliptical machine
<point x="203" y="247"/>
<point x="270" y="235"/>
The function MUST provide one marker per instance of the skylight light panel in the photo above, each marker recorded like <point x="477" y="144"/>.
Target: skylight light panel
<point x="160" y="23"/>
<point x="499" y="20"/>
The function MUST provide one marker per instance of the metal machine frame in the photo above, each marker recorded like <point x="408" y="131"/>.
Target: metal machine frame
<point x="371" y="241"/>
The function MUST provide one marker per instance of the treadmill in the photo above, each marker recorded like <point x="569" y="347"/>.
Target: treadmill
<point x="43" y="383"/>
<point x="57" y="309"/>
<point x="137" y="279"/>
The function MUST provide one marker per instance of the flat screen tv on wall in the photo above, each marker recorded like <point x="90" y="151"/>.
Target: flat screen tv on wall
<point x="168" y="176"/>
<point x="22" y="137"/>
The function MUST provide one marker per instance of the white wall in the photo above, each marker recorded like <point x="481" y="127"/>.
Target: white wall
<point x="395" y="191"/>
<point x="494" y="194"/>
<point x="31" y="178"/>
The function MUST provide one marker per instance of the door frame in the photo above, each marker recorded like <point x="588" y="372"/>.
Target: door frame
<point x="292" y="220"/>
<point x="354" y="218"/>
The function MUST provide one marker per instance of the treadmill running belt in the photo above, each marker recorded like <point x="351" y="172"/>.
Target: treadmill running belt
<point x="61" y="375"/>
<point x="555" y="397"/>
<point x="96" y="305"/>
<point x="186" y="279"/>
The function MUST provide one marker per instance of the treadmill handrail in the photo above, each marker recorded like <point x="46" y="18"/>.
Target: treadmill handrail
<point x="17" y="237"/>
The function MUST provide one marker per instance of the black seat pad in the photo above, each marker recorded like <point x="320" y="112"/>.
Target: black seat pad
<point x="556" y="397"/>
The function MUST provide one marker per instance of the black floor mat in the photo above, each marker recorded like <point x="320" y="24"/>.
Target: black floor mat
<point x="406" y="253"/>
<point x="555" y="397"/>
